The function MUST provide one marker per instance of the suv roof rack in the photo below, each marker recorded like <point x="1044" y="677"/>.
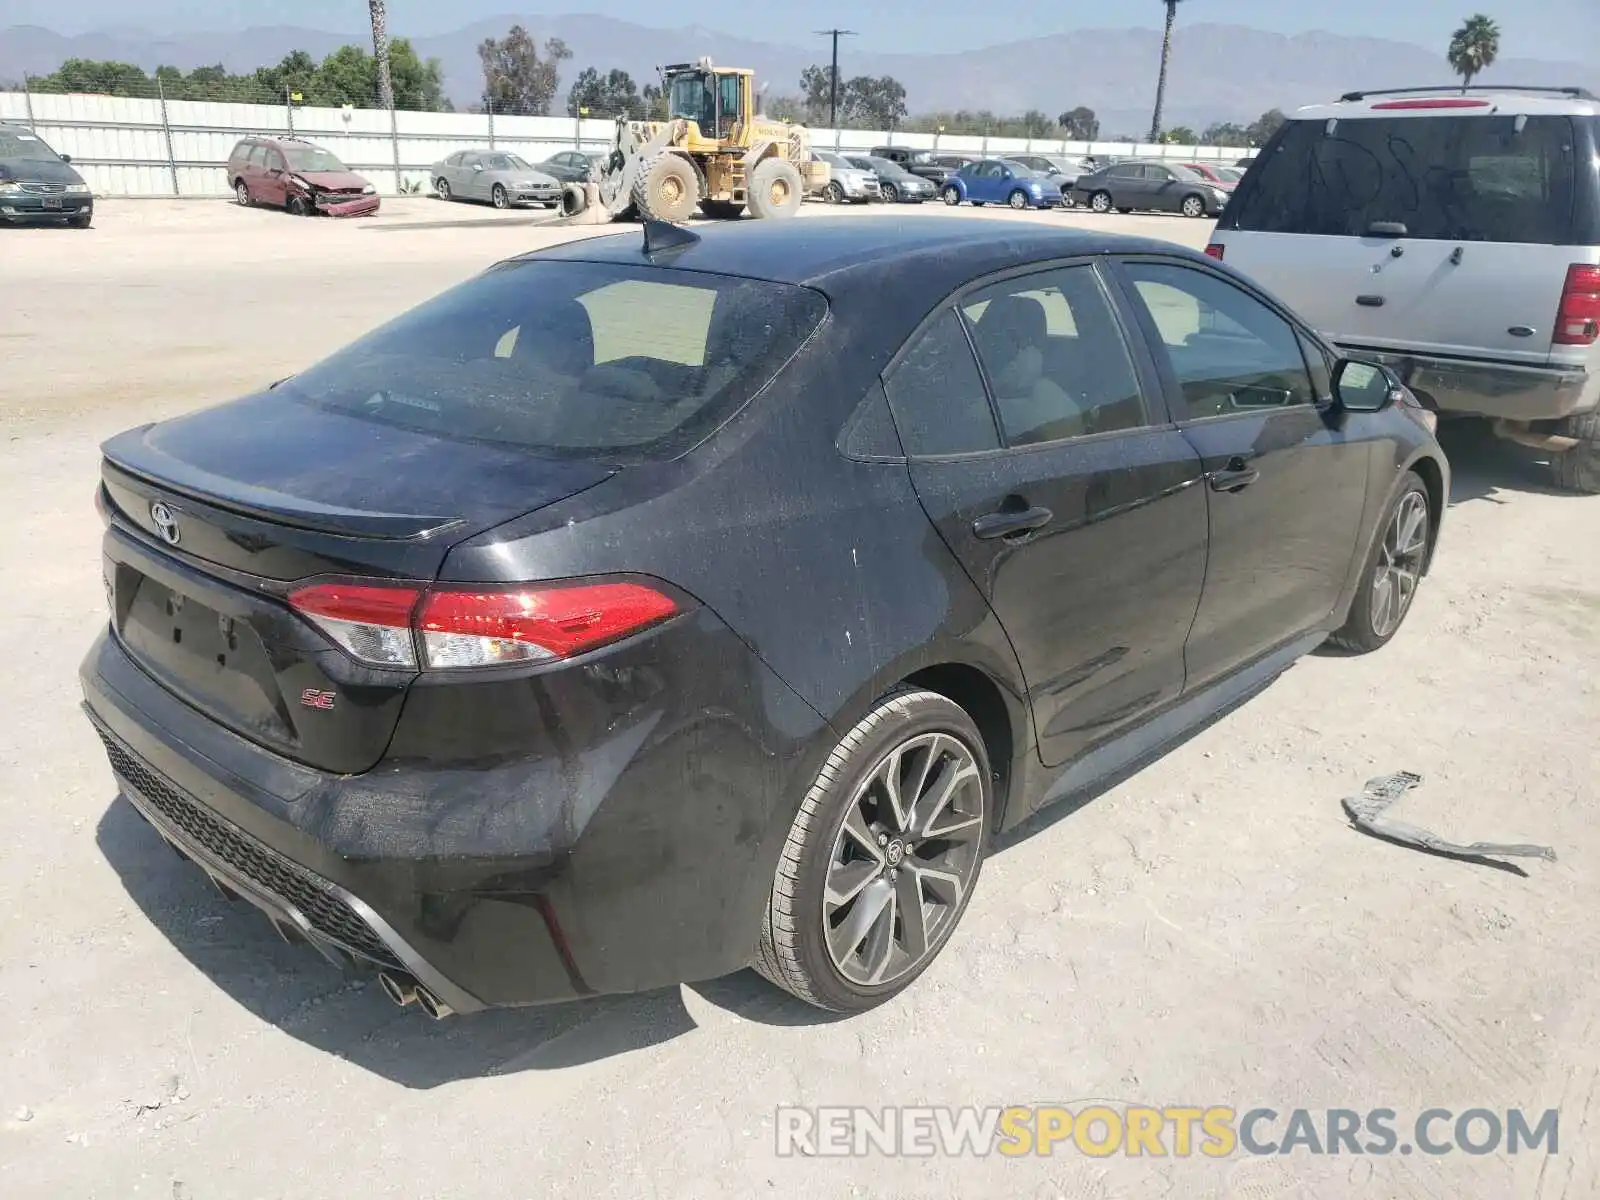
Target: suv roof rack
<point x="1575" y="93"/>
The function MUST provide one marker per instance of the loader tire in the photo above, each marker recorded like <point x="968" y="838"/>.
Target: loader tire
<point x="667" y="189"/>
<point x="573" y="200"/>
<point x="722" y="210"/>
<point x="776" y="189"/>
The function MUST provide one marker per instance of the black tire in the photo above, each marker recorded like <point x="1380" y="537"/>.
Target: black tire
<point x="241" y="193"/>
<point x="833" y="193"/>
<point x="1101" y="203"/>
<point x="298" y="207"/>
<point x="442" y="188"/>
<point x="499" y="197"/>
<point x="951" y="196"/>
<point x="1578" y="470"/>
<point x="775" y="189"/>
<point x="667" y="189"/>
<point x="891" y="194"/>
<point x="81" y="220"/>
<point x="1124" y="211"/>
<point x="1018" y="199"/>
<point x="1193" y="206"/>
<point x="722" y="210"/>
<point x="793" y="953"/>
<point x="1360" y="634"/>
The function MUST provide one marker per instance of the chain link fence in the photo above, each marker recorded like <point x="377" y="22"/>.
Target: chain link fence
<point x="160" y="137"/>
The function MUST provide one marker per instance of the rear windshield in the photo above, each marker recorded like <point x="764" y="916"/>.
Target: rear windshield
<point x="572" y="359"/>
<point x="1466" y="179"/>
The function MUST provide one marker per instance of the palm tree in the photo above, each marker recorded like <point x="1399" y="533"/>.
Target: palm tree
<point x="379" y="11"/>
<point x="1166" y="57"/>
<point x="1474" y="48"/>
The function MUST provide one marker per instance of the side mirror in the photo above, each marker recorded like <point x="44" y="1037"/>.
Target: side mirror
<point x="1365" y="387"/>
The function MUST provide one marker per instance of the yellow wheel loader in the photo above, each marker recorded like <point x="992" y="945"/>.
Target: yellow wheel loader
<point x="712" y="153"/>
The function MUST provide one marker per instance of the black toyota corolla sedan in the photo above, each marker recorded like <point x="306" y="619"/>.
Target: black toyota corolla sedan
<point x="662" y="603"/>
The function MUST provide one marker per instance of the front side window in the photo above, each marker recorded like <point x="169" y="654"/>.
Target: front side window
<point x="937" y="396"/>
<point x="572" y="359"/>
<point x="1449" y="178"/>
<point x="1055" y="357"/>
<point x="1230" y="353"/>
<point x="692" y="99"/>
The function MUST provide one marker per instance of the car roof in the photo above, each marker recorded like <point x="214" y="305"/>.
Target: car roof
<point x="835" y="252"/>
<point x="1453" y="100"/>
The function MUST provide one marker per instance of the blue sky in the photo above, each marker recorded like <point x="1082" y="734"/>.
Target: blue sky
<point x="1553" y="29"/>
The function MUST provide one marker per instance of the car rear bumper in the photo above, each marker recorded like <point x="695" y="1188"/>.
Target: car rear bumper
<point x="1507" y="391"/>
<point x="354" y="206"/>
<point x="630" y="847"/>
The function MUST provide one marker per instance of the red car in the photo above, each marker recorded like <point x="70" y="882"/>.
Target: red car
<point x="287" y="172"/>
<point x="1226" y="178"/>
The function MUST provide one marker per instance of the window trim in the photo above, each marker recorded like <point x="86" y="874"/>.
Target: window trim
<point x="1147" y="370"/>
<point x="1176" y="403"/>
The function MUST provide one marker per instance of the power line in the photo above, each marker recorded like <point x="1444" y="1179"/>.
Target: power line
<point x="833" y="83"/>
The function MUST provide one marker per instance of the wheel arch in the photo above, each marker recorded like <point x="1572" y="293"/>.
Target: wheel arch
<point x="1432" y="478"/>
<point x="976" y="692"/>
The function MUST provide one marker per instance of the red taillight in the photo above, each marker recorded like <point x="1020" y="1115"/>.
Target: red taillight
<point x="1578" y="319"/>
<point x="1215" y="250"/>
<point x="1442" y="102"/>
<point x="478" y="628"/>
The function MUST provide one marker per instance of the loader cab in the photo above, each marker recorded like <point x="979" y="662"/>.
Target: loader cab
<point x="716" y="101"/>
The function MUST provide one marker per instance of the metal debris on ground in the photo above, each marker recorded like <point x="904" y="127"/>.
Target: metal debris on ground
<point x="1366" y="812"/>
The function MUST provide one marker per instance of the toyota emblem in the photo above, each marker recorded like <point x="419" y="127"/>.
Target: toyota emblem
<point x="166" y="524"/>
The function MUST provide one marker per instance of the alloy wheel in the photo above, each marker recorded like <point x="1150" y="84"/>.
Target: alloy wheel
<point x="1101" y="203"/>
<point x="499" y="197"/>
<point x="1400" y="559"/>
<point x="1018" y="200"/>
<point x="443" y="188"/>
<point x="242" y="191"/>
<point x="905" y="855"/>
<point x="1193" y="207"/>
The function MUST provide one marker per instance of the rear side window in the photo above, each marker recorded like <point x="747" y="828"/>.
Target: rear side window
<point x="1466" y="179"/>
<point x="572" y="359"/>
<point x="937" y="395"/>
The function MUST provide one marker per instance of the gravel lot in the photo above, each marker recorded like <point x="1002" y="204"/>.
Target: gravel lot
<point x="1208" y="932"/>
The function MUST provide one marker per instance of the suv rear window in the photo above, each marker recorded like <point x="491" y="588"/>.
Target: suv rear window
<point x="1465" y="179"/>
<point x="572" y="359"/>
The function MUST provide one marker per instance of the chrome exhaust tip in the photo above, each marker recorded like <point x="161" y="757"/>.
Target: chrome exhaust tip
<point x="431" y="1006"/>
<point x="399" y="988"/>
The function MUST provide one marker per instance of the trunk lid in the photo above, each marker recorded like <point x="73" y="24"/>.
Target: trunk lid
<point x="217" y="513"/>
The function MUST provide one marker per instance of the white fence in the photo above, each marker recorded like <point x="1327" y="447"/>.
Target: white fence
<point x="136" y="147"/>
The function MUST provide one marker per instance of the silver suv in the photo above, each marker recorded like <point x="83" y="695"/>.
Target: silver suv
<point x="1453" y="235"/>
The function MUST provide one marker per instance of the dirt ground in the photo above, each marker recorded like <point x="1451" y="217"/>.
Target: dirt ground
<point x="1209" y="932"/>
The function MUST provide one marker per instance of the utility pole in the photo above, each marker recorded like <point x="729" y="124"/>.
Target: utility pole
<point x="833" y="82"/>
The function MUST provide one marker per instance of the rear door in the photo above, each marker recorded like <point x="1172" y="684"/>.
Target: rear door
<point x="274" y="176"/>
<point x="1050" y="470"/>
<point x="1412" y="231"/>
<point x="1286" y="485"/>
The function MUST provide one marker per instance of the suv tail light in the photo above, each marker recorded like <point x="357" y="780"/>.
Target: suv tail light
<point x="1215" y="250"/>
<point x="1578" y="320"/>
<point x="455" y="628"/>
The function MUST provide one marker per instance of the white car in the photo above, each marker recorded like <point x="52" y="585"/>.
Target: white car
<point x="848" y="182"/>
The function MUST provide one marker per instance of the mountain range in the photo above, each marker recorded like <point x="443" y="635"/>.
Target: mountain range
<point x="1219" y="72"/>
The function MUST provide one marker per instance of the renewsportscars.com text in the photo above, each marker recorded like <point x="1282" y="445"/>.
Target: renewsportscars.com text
<point x="1102" y="1130"/>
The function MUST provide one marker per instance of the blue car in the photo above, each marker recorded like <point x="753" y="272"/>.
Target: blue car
<point x="1000" y="181"/>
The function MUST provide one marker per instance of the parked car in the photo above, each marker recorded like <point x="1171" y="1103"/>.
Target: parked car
<point x="501" y="179"/>
<point x="847" y="183"/>
<point x="527" y="650"/>
<point x="1064" y="171"/>
<point x="918" y="162"/>
<point x="37" y="184"/>
<point x="294" y="174"/>
<point x="569" y="166"/>
<point x="1454" y="236"/>
<point x="896" y="184"/>
<point x="999" y="181"/>
<point x="1149" y="185"/>
<point x="1214" y="174"/>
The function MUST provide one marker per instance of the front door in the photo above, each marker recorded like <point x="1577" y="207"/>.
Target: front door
<point x="1162" y="191"/>
<point x="1286" y="488"/>
<point x="1050" y="471"/>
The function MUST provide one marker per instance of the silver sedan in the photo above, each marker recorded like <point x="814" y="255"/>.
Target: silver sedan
<point x="501" y="179"/>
